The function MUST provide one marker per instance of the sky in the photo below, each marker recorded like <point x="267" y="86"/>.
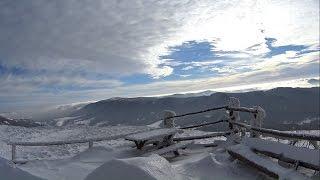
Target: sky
<point x="59" y="52"/>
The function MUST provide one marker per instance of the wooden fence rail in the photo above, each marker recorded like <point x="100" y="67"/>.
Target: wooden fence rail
<point x="90" y="141"/>
<point x="204" y="124"/>
<point x="240" y="109"/>
<point x="278" y="133"/>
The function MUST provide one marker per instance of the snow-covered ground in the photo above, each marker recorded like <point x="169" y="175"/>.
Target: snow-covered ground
<point x="115" y="159"/>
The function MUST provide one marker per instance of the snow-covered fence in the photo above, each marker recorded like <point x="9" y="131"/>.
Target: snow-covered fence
<point x="204" y="124"/>
<point x="277" y="133"/>
<point x="233" y="108"/>
<point x="239" y="109"/>
<point x="210" y="135"/>
<point x="90" y="141"/>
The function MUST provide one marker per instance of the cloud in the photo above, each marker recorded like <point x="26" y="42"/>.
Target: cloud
<point x="80" y="50"/>
<point x="120" y="38"/>
<point x="187" y="68"/>
<point x="315" y="82"/>
<point x="110" y="37"/>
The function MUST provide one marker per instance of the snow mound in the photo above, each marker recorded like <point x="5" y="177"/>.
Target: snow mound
<point x="147" y="168"/>
<point x="219" y="166"/>
<point x="157" y="124"/>
<point x="9" y="171"/>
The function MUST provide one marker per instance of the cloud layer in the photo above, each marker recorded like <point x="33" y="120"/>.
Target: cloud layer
<point x="58" y="49"/>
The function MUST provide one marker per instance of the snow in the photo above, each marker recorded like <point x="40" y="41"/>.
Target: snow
<point x="170" y="148"/>
<point x="116" y="158"/>
<point x="147" y="168"/>
<point x="9" y="171"/>
<point x="156" y="124"/>
<point x="217" y="165"/>
<point x="153" y="134"/>
<point x="266" y="163"/>
<point x="311" y="156"/>
<point x="65" y="133"/>
<point x="309" y="120"/>
<point x="62" y="121"/>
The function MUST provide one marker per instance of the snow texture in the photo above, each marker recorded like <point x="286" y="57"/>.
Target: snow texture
<point x="153" y="134"/>
<point x="76" y="161"/>
<point x="8" y="171"/>
<point x="154" y="167"/>
<point x="171" y="148"/>
<point x="271" y="166"/>
<point x="156" y="124"/>
<point x="311" y="156"/>
<point x="65" y="133"/>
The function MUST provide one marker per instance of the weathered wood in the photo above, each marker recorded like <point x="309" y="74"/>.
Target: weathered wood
<point x="309" y="158"/>
<point x="13" y="152"/>
<point x="242" y="109"/>
<point x="90" y="144"/>
<point x="211" y="135"/>
<point x="278" y="133"/>
<point x="257" y="120"/>
<point x="140" y="144"/>
<point x="254" y="165"/>
<point x="204" y="124"/>
<point x="280" y="157"/>
<point x="199" y="112"/>
<point x="243" y="153"/>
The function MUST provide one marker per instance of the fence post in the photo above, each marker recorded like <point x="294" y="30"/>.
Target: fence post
<point x="13" y="152"/>
<point x="90" y="144"/>
<point x="257" y="120"/>
<point x="233" y="115"/>
<point x="168" y="121"/>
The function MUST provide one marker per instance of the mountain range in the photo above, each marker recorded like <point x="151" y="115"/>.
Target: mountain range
<point x="286" y="109"/>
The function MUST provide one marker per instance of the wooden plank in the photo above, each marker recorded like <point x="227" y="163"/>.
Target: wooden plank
<point x="211" y="135"/>
<point x="309" y="158"/>
<point x="13" y="152"/>
<point x="264" y="165"/>
<point x="90" y="144"/>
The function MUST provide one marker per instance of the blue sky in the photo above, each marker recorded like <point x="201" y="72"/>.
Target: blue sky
<point x="58" y="52"/>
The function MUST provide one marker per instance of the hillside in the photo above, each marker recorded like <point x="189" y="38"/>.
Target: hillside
<point x="287" y="108"/>
<point x="18" y="122"/>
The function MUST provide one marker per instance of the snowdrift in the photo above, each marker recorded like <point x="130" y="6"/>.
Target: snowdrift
<point x="147" y="168"/>
<point x="9" y="171"/>
<point x="217" y="166"/>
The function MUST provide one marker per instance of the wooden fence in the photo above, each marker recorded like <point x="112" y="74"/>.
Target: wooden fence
<point x="232" y="121"/>
<point x="90" y="142"/>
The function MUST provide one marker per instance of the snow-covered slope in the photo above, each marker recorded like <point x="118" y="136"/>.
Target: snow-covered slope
<point x="9" y="171"/>
<point x="18" y="122"/>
